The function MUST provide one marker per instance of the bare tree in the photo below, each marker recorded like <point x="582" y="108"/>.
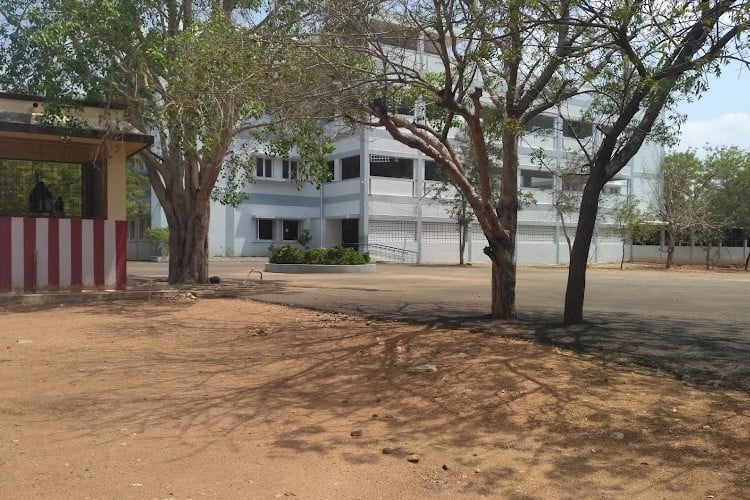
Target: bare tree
<point x="664" y="49"/>
<point x="488" y="67"/>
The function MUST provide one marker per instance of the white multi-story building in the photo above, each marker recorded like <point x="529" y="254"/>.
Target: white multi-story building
<point x="381" y="199"/>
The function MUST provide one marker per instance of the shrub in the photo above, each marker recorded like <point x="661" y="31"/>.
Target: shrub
<point x="285" y="255"/>
<point x="315" y="256"/>
<point x="345" y="256"/>
<point x="337" y="255"/>
<point x="160" y="236"/>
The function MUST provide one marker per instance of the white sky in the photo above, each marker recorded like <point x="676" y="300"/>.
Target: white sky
<point x="721" y="117"/>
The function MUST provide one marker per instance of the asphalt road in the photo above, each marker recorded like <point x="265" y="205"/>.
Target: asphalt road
<point x="693" y="324"/>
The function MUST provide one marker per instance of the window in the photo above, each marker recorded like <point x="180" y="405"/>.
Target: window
<point x="402" y="105"/>
<point x="350" y="167"/>
<point x="289" y="169"/>
<point x="265" y="229"/>
<point x="572" y="128"/>
<point x="384" y="166"/>
<point x="331" y="171"/>
<point x="432" y="172"/>
<point x="537" y="179"/>
<point x="540" y="124"/>
<point x="290" y="230"/>
<point x="612" y="189"/>
<point x="574" y="182"/>
<point x="263" y="167"/>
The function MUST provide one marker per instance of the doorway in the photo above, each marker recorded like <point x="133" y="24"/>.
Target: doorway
<point x="350" y="233"/>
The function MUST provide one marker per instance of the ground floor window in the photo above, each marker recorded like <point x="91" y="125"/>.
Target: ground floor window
<point x="265" y="229"/>
<point x="290" y="230"/>
<point x="537" y="179"/>
<point x="137" y="227"/>
<point x="432" y="172"/>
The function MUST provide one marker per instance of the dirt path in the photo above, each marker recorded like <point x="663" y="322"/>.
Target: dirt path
<point x="237" y="399"/>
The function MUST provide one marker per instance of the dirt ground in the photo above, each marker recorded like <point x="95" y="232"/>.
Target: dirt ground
<point x="192" y="398"/>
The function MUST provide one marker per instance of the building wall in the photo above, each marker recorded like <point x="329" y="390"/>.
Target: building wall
<point x="381" y="203"/>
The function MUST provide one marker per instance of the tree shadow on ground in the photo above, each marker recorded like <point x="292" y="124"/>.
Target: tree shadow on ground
<point x="514" y="411"/>
<point x="703" y="352"/>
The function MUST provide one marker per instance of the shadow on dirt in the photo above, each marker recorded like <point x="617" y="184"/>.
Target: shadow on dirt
<point x="225" y="379"/>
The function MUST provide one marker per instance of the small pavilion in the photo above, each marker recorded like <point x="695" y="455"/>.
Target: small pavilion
<point x="62" y="195"/>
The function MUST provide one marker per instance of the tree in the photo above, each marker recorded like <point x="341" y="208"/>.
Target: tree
<point x="728" y="168"/>
<point x="629" y="221"/>
<point x="663" y="50"/>
<point x="568" y="181"/>
<point x="196" y="74"/>
<point x="678" y="207"/>
<point x="695" y="201"/>
<point x="493" y="67"/>
<point x="447" y="193"/>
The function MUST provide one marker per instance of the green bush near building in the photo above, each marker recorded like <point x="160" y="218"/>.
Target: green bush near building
<point x="337" y="255"/>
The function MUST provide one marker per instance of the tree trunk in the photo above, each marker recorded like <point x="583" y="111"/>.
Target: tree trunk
<point x="502" y="248"/>
<point x="188" y="245"/>
<point x="503" y="279"/>
<point x="462" y="234"/>
<point x="747" y="260"/>
<point x="670" y="249"/>
<point x="708" y="258"/>
<point x="622" y="259"/>
<point x="575" y="291"/>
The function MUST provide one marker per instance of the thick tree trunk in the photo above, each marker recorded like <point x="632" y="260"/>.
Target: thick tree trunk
<point x="503" y="279"/>
<point x="188" y="245"/>
<point x="502" y="248"/>
<point x="579" y="256"/>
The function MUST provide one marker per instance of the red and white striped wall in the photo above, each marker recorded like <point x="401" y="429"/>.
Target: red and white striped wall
<point x="52" y="253"/>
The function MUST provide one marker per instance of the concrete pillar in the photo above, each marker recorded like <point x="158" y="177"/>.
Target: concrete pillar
<point x="115" y="181"/>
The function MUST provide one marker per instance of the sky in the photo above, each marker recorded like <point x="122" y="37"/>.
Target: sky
<point x="721" y="117"/>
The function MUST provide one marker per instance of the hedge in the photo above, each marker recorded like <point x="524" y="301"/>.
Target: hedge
<point x="337" y="255"/>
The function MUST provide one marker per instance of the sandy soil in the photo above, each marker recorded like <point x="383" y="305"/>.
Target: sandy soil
<point x="193" y="398"/>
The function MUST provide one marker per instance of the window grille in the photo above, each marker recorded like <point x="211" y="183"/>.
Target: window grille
<point x="535" y="234"/>
<point x="607" y="235"/>
<point x="440" y="232"/>
<point x="386" y="230"/>
<point x="475" y="232"/>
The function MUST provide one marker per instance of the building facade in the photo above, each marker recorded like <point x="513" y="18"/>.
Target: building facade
<point x="381" y="199"/>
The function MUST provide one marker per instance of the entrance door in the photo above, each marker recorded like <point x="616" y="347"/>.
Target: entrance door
<point x="350" y="233"/>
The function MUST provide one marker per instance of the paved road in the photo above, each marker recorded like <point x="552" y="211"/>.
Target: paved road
<point x="693" y="324"/>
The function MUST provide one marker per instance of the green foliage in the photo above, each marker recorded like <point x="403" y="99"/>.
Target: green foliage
<point x="337" y="255"/>
<point x="286" y="254"/>
<point x="160" y="236"/>
<point x="315" y="256"/>
<point x="629" y="219"/>
<point x="304" y="238"/>
<point x="202" y="76"/>
<point x="136" y="192"/>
